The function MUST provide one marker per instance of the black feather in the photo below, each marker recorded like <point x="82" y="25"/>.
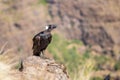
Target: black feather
<point x="42" y="40"/>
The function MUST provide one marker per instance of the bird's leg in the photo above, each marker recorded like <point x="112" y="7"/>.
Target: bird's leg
<point x="42" y="55"/>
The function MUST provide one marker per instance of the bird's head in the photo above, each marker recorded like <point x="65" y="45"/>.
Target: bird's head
<point x="50" y="27"/>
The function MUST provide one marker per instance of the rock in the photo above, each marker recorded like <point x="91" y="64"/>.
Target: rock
<point x="36" y="68"/>
<point x="18" y="26"/>
<point x="33" y="68"/>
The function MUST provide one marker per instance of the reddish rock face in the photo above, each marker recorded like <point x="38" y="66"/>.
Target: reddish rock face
<point x="93" y="22"/>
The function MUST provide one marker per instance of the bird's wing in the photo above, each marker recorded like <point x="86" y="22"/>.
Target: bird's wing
<point x="36" y="41"/>
<point x="50" y="38"/>
<point x="46" y="36"/>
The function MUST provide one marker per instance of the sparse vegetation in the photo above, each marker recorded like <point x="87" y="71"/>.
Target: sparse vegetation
<point x="117" y="65"/>
<point x="42" y="2"/>
<point x="79" y="65"/>
<point x="5" y="64"/>
<point x="65" y="51"/>
<point x="97" y="78"/>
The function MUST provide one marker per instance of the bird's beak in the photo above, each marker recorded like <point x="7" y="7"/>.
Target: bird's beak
<point x="54" y="26"/>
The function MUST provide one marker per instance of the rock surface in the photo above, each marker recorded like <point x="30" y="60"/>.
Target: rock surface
<point x="36" y="68"/>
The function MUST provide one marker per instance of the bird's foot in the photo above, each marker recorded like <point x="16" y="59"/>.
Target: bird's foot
<point x="36" y="54"/>
<point x="44" y="57"/>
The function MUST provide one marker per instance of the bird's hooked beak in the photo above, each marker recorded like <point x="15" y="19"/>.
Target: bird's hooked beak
<point x="54" y="26"/>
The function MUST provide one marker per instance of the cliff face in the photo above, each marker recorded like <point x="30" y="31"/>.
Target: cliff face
<point x="96" y="23"/>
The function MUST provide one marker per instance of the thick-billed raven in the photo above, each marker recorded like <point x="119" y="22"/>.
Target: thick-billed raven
<point x="42" y="40"/>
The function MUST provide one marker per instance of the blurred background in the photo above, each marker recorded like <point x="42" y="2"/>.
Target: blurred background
<point x="87" y="40"/>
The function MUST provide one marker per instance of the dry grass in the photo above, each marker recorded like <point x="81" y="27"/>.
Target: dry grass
<point x="85" y="70"/>
<point x="4" y="71"/>
<point x="7" y="61"/>
<point x="4" y="67"/>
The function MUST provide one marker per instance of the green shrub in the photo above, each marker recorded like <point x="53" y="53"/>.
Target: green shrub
<point x="117" y="65"/>
<point x="86" y="55"/>
<point x="65" y="55"/>
<point x="102" y="59"/>
<point x="96" y="78"/>
<point x="65" y="51"/>
<point x="42" y="2"/>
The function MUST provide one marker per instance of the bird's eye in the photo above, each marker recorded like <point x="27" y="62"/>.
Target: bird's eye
<point x="50" y="27"/>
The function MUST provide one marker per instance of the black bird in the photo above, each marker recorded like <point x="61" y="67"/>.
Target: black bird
<point x="42" y="40"/>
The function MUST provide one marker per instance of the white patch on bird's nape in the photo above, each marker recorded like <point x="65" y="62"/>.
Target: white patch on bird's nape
<point x="46" y="27"/>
